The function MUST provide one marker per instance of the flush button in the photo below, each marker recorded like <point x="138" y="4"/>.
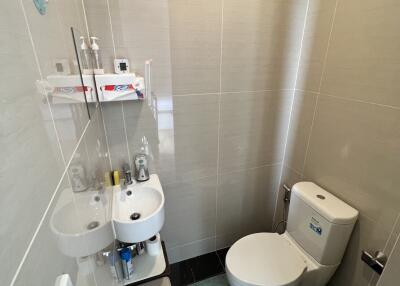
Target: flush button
<point x="321" y="197"/>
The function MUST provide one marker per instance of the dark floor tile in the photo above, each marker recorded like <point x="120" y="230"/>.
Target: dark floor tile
<point x="222" y="255"/>
<point x="205" y="266"/>
<point x="181" y="274"/>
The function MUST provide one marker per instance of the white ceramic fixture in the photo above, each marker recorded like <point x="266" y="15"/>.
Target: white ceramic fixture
<point x="307" y="254"/>
<point x="138" y="210"/>
<point x="81" y="223"/>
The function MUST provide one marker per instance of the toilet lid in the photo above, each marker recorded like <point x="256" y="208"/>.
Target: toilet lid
<point x="265" y="259"/>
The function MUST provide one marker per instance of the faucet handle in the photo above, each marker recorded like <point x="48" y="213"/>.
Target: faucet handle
<point x="127" y="174"/>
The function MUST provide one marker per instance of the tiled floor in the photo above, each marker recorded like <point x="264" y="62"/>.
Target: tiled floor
<point x="219" y="280"/>
<point x="208" y="269"/>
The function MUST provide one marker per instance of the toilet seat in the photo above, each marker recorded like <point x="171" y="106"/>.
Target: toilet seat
<point x="266" y="259"/>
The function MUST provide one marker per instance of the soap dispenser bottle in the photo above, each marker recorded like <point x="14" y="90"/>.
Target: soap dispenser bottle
<point x="97" y="62"/>
<point x="85" y="57"/>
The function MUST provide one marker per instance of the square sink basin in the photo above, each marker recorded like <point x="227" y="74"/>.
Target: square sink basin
<point x="138" y="210"/>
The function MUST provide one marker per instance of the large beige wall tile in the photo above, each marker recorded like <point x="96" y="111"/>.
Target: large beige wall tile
<point x="190" y="211"/>
<point x="367" y="235"/>
<point x="299" y="130"/>
<point x="52" y="38"/>
<point x="195" y="37"/>
<point x="390" y="275"/>
<point x="320" y="16"/>
<point x="363" y="60"/>
<point x="253" y="129"/>
<point x="196" y="136"/>
<point x="261" y="44"/>
<point x="193" y="249"/>
<point x="116" y="135"/>
<point x="99" y="25"/>
<point x="354" y="153"/>
<point x="245" y="202"/>
<point x="31" y="158"/>
<point x="45" y="254"/>
<point x="144" y="36"/>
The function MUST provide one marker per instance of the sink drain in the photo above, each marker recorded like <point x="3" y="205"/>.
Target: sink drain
<point x="135" y="216"/>
<point x="129" y="193"/>
<point x="93" y="225"/>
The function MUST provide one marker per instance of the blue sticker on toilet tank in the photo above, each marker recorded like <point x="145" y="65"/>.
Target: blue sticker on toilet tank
<point x="314" y="225"/>
<point x="316" y="229"/>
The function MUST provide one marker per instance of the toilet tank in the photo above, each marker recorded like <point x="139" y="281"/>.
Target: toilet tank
<point x="320" y="222"/>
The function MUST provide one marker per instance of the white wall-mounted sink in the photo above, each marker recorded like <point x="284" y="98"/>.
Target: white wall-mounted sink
<point x="81" y="222"/>
<point x="138" y="210"/>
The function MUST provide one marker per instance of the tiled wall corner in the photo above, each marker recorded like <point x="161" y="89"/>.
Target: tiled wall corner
<point x="39" y="139"/>
<point x="222" y="107"/>
<point x="343" y="129"/>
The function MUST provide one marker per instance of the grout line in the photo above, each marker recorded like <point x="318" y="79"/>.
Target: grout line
<point x="105" y="134"/>
<point x="231" y="92"/>
<point x="291" y="111"/>
<point x="393" y="249"/>
<point x="360" y="101"/>
<point x="220" y="260"/>
<point x="319" y="89"/>
<point x="373" y="275"/>
<point x="41" y="77"/>
<point x="85" y="19"/>
<point x="327" y="47"/>
<point x="251" y="168"/>
<point x="292" y="170"/>
<point x="219" y="120"/>
<point x="391" y="232"/>
<point x="192" y="242"/>
<point x="31" y="39"/>
<point x="126" y="134"/>
<point x="111" y="28"/>
<point x="28" y="249"/>
<point x="257" y="90"/>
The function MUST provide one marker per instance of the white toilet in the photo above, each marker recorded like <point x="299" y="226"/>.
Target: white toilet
<point x="308" y="253"/>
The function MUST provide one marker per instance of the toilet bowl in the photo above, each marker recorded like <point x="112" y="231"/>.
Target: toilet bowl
<point x="319" y="226"/>
<point x="270" y="259"/>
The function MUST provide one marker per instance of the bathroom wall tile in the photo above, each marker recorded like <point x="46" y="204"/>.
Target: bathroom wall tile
<point x="141" y="121"/>
<point x="289" y="177"/>
<point x="390" y="274"/>
<point x="261" y="44"/>
<point x="52" y="38"/>
<point x="354" y="153"/>
<point x="363" y="59"/>
<point x="391" y="241"/>
<point x="45" y="253"/>
<point x="194" y="249"/>
<point x="315" y="43"/>
<point x="245" y="202"/>
<point x="91" y="154"/>
<point x="189" y="211"/>
<point x="196" y="136"/>
<point x="299" y="130"/>
<point x="31" y="159"/>
<point x="114" y="125"/>
<point x="98" y="20"/>
<point x="95" y="145"/>
<point x="253" y="129"/>
<point x="143" y="37"/>
<point x="367" y="235"/>
<point x="195" y="35"/>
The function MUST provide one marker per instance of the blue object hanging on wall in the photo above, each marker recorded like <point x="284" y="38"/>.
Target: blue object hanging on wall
<point x="41" y="6"/>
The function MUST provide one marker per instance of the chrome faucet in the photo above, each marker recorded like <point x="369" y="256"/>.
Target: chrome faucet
<point x="127" y="174"/>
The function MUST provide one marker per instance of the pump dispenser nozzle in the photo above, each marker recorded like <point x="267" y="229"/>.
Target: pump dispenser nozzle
<point x="98" y="65"/>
